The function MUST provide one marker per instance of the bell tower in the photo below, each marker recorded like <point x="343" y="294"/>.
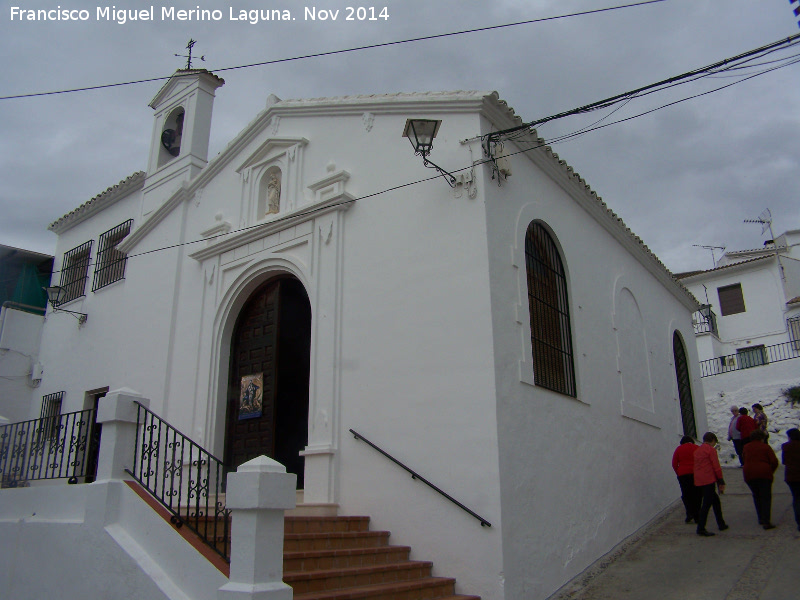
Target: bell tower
<point x="181" y="132"/>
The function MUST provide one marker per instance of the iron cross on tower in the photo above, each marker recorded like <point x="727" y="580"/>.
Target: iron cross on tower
<point x="188" y="57"/>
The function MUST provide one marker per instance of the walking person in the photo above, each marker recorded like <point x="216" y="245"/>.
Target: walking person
<point x="790" y="457"/>
<point x="760" y="463"/>
<point x="707" y="477"/>
<point x="683" y="465"/>
<point x="746" y="425"/>
<point x="734" y="435"/>
<point x="761" y="419"/>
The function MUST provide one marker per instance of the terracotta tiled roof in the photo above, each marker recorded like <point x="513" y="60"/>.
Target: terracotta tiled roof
<point x="126" y="184"/>
<point x="795" y="300"/>
<point x="714" y="270"/>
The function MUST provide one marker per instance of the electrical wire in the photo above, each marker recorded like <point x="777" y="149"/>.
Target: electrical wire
<point x="659" y="86"/>
<point x="538" y="144"/>
<point x="334" y="52"/>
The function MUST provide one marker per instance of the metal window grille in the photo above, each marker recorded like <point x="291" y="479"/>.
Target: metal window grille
<point x="74" y="271"/>
<point x="753" y="356"/>
<point x="551" y="337"/>
<point x="794" y="331"/>
<point x="731" y="299"/>
<point x="110" y="263"/>
<point x="51" y="414"/>
<point x="684" y="386"/>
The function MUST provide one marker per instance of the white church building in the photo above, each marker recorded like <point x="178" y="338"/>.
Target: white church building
<point x="507" y="338"/>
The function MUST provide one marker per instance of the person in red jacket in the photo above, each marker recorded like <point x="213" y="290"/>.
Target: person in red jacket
<point x="707" y="476"/>
<point x="760" y="463"/>
<point x="683" y="465"/>
<point x="746" y="425"/>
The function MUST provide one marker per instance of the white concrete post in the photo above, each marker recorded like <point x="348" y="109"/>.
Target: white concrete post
<point x="117" y="412"/>
<point x="257" y="495"/>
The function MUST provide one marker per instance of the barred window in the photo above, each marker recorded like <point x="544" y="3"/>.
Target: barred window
<point x="731" y="300"/>
<point x="51" y="414"/>
<point x="74" y="271"/>
<point x="551" y="337"/>
<point x="684" y="386"/>
<point x="110" y="264"/>
<point x="752" y="356"/>
<point x="794" y="331"/>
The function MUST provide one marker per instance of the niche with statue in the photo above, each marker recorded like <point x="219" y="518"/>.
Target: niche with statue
<point x="269" y="192"/>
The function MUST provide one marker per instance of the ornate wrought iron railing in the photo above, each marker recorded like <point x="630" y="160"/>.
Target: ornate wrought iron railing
<point x="415" y="475"/>
<point x="705" y="321"/>
<point x="54" y="447"/>
<point x="184" y="477"/>
<point x="747" y="358"/>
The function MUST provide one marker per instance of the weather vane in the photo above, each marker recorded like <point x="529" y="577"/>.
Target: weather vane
<point x="188" y="57"/>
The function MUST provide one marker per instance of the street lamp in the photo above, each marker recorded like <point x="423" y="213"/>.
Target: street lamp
<point x="56" y="295"/>
<point x="420" y="132"/>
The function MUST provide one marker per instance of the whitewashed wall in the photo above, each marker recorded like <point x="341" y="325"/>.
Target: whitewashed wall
<point x="20" y="332"/>
<point x="578" y="475"/>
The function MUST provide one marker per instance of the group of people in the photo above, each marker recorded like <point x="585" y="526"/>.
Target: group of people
<point x="742" y="426"/>
<point x="700" y="474"/>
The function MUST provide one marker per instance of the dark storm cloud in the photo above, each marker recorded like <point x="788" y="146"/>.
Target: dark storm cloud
<point x="683" y="175"/>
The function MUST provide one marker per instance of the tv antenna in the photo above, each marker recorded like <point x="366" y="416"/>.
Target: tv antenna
<point x="712" y="248"/>
<point x="765" y="219"/>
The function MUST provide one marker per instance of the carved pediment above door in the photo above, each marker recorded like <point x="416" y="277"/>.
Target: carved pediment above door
<point x="271" y="179"/>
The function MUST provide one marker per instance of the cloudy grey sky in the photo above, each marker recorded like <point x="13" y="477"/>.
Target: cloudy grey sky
<point x="684" y="175"/>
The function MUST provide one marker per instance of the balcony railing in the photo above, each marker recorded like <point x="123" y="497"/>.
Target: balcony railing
<point x="55" y="447"/>
<point x="749" y="358"/>
<point x="705" y="321"/>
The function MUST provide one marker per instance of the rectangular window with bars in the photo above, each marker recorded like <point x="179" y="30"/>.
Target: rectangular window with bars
<point x="794" y="331"/>
<point x="110" y="264"/>
<point x="731" y="299"/>
<point x="51" y="414"/>
<point x="753" y="356"/>
<point x="75" y="271"/>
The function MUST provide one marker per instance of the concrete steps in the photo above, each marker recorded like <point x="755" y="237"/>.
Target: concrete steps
<point x="340" y="558"/>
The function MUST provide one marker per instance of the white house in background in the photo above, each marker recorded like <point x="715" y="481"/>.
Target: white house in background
<point x="23" y="273"/>
<point x="748" y="332"/>
<point x="509" y="339"/>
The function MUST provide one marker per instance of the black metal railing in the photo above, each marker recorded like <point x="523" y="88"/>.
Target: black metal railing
<point x="74" y="271"/>
<point x="185" y="478"/>
<point x="705" y="321"/>
<point x="54" y="447"/>
<point x="749" y="358"/>
<point x="415" y="475"/>
<point x="110" y="262"/>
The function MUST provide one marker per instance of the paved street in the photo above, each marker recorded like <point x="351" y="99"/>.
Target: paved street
<point x="668" y="560"/>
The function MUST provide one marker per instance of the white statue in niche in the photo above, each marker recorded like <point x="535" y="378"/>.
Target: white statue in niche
<point x="273" y="193"/>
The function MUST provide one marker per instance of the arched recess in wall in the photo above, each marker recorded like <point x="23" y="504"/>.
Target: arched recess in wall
<point x="548" y="307"/>
<point x="684" y="385"/>
<point x="171" y="136"/>
<point x="268" y="376"/>
<point x="632" y="356"/>
<point x="269" y="192"/>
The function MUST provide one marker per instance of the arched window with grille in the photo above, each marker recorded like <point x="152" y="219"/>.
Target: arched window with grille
<point x="551" y="336"/>
<point x="684" y="386"/>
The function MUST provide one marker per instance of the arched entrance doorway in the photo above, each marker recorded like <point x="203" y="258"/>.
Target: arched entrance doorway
<point x="268" y="383"/>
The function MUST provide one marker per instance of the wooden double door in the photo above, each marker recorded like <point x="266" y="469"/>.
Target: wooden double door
<point x="269" y="373"/>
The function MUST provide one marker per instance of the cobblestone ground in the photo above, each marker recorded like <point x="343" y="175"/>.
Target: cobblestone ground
<point x="668" y="560"/>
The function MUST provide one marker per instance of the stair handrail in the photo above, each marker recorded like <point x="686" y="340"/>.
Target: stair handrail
<point x="415" y="475"/>
<point x="202" y="488"/>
